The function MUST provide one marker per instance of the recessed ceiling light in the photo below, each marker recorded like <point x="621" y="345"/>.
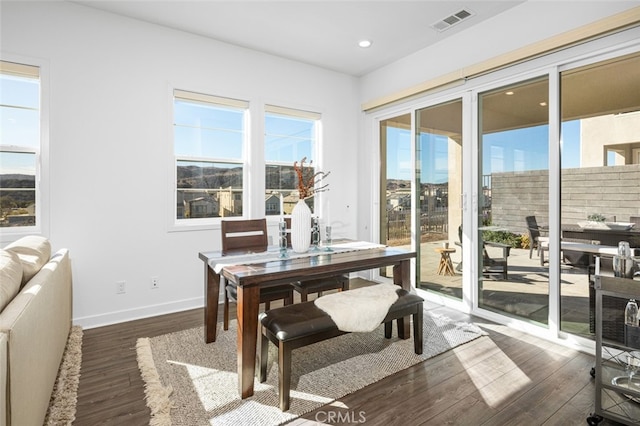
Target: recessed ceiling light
<point x="509" y="93"/>
<point x="543" y="103"/>
<point x="364" y="43"/>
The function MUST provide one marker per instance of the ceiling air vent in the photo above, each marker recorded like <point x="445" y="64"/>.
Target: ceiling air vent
<point x="452" y="20"/>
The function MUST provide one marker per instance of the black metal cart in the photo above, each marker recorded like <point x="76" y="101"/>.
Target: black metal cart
<point x="617" y="371"/>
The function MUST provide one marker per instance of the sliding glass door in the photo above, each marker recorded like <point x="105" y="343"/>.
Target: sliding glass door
<point x="396" y="172"/>
<point x="439" y="185"/>
<point x="550" y="161"/>
<point x="600" y="181"/>
<point x="513" y="200"/>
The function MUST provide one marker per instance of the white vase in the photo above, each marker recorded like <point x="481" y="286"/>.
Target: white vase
<point x="301" y="227"/>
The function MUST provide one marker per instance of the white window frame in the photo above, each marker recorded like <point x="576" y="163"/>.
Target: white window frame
<point x="193" y="224"/>
<point x="42" y="211"/>
<point x="317" y="141"/>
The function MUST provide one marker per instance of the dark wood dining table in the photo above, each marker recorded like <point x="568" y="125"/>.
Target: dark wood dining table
<point x="250" y="277"/>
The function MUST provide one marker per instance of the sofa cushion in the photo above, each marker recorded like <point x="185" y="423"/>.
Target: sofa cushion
<point x="34" y="251"/>
<point x="10" y="277"/>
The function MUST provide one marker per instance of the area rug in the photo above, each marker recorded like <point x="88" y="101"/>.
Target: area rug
<point x="192" y="383"/>
<point x="62" y="406"/>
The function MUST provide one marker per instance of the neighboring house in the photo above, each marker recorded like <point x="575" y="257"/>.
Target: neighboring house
<point x="292" y="199"/>
<point x="230" y="202"/>
<point x="610" y="140"/>
<point x="398" y="201"/>
<point x="272" y="204"/>
<point x="200" y="207"/>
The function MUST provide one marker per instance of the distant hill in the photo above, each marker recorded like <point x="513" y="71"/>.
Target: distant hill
<point x="17" y="181"/>
<point x="16" y="197"/>
<point x="218" y="177"/>
<point x="398" y="184"/>
<point x="209" y="177"/>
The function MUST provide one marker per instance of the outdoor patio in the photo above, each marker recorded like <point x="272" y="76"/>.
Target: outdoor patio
<point x="525" y="291"/>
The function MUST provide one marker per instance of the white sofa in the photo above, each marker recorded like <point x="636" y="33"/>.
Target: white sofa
<point x="35" y="320"/>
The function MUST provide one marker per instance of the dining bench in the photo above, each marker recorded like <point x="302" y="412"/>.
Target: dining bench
<point x="301" y="324"/>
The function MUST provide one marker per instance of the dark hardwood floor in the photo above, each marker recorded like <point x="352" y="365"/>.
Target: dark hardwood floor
<point x="505" y="378"/>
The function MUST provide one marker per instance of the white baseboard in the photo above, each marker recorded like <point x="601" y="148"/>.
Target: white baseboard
<point x="138" y="313"/>
<point x="118" y="317"/>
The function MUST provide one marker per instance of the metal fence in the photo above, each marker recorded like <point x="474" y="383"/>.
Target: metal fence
<point x="432" y="225"/>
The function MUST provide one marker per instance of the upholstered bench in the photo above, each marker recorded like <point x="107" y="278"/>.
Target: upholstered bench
<point x="294" y="326"/>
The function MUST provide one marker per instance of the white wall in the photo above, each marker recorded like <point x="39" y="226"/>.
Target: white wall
<point x="110" y="145"/>
<point x="523" y="25"/>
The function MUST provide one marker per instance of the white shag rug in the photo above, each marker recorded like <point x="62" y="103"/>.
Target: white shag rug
<point x="62" y="406"/>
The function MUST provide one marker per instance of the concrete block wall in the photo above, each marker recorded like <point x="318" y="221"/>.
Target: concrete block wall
<point x="610" y="191"/>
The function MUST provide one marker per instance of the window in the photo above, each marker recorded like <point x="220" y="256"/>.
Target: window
<point x="209" y="136"/>
<point x="290" y="136"/>
<point x="20" y="141"/>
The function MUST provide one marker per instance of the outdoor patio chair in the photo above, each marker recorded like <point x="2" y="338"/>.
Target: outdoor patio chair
<point x="493" y="265"/>
<point x="490" y="265"/>
<point x="245" y="236"/>
<point x="536" y="240"/>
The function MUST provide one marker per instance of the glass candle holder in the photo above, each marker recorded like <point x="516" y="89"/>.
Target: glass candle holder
<point x="315" y="234"/>
<point x="282" y="239"/>
<point x="327" y="238"/>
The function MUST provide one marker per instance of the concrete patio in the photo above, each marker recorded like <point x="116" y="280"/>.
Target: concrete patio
<point x="523" y="294"/>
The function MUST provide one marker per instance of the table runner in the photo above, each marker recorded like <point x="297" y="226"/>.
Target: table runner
<point x="273" y="253"/>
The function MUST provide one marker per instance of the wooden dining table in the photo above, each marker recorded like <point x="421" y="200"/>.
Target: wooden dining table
<point x="250" y="277"/>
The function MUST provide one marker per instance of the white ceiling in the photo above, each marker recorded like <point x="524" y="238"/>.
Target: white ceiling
<point x="322" y="33"/>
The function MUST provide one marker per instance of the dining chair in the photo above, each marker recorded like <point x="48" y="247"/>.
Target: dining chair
<point x="536" y="240"/>
<point x="249" y="236"/>
<point x="320" y="285"/>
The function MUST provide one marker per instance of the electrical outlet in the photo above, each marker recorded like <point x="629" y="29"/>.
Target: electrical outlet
<point x="121" y="287"/>
<point x="154" y="282"/>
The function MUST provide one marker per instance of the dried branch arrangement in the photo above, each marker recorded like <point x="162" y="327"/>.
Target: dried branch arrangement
<point x="308" y="181"/>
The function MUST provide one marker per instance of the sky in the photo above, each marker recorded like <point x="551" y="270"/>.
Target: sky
<point x="217" y="132"/>
<point x="513" y="150"/>
<point x="19" y="126"/>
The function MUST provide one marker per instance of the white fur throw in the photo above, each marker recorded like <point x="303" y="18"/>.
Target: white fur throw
<point x="359" y="310"/>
